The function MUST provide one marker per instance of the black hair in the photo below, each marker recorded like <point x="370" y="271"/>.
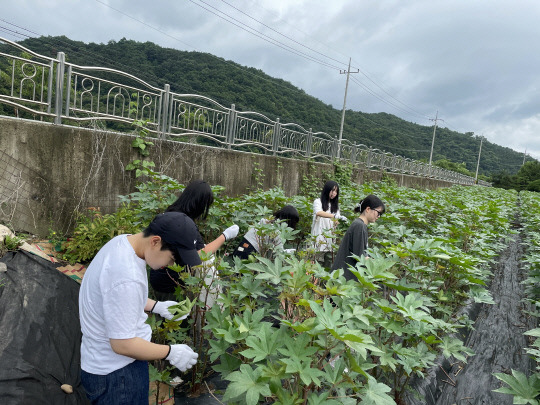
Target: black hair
<point x="164" y="245"/>
<point x="325" y="197"/>
<point x="370" y="201"/>
<point x="195" y="200"/>
<point x="288" y="214"/>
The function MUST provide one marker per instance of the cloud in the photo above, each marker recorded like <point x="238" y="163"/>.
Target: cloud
<point x="474" y="62"/>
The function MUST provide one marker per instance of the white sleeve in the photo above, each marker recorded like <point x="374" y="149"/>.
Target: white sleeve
<point x="122" y="310"/>
<point x="317" y="206"/>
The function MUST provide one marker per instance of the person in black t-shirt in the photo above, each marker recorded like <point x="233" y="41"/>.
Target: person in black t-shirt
<point x="355" y="240"/>
<point x="195" y="202"/>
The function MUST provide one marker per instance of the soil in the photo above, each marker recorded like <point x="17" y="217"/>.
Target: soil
<point x="497" y="340"/>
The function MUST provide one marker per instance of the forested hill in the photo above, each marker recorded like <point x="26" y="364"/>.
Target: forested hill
<point x="253" y="90"/>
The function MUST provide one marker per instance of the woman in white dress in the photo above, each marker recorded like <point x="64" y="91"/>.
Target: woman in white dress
<point x="325" y="213"/>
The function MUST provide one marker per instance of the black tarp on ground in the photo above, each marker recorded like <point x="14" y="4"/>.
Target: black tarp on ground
<point x="497" y="340"/>
<point x="214" y="382"/>
<point x="39" y="333"/>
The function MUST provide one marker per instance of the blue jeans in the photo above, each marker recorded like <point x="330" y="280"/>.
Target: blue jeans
<point x="126" y="386"/>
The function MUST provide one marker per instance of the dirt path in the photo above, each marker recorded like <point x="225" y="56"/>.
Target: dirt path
<point x="497" y="340"/>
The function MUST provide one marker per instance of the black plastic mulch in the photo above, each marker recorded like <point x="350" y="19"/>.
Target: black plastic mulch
<point x="215" y="383"/>
<point x="39" y="333"/>
<point x="497" y="340"/>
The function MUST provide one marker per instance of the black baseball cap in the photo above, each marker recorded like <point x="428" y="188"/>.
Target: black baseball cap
<point x="179" y="231"/>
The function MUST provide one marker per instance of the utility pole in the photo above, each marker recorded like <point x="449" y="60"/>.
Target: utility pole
<point x="344" y="104"/>
<point x="433" y="140"/>
<point x="478" y="163"/>
<point x="524" y="157"/>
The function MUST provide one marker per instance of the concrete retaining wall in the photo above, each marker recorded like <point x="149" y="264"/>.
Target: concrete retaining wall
<point x="48" y="173"/>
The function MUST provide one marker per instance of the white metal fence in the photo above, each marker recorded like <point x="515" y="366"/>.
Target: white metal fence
<point x="52" y="89"/>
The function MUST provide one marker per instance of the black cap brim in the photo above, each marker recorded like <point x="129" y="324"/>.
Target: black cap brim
<point x="189" y="256"/>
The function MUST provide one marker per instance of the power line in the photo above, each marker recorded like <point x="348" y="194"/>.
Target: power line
<point x="127" y="69"/>
<point x="295" y="27"/>
<point x="410" y="110"/>
<point x="261" y="35"/>
<point x="145" y="24"/>
<point x="380" y="98"/>
<point x="362" y="85"/>
<point x="274" y="83"/>
<point x="236" y="66"/>
<point x="84" y="51"/>
<point x="12" y="32"/>
<point x="329" y="57"/>
<point x="283" y="35"/>
<point x="18" y="26"/>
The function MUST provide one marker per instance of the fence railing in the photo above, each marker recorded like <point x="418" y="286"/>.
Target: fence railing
<point x="45" y="88"/>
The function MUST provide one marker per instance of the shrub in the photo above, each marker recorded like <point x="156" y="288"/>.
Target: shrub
<point x="94" y="229"/>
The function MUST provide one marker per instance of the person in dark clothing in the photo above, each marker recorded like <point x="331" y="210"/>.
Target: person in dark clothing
<point x="195" y="202"/>
<point x="355" y="240"/>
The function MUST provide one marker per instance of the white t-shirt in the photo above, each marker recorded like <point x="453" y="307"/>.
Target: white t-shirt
<point x="321" y="225"/>
<point x="256" y="240"/>
<point x="112" y="298"/>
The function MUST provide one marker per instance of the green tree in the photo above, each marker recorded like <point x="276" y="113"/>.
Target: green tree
<point x="504" y="180"/>
<point x="528" y="173"/>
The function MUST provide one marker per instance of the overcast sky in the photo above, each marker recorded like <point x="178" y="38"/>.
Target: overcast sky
<point x="475" y="62"/>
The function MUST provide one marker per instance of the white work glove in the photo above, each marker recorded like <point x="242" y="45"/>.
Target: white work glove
<point x="231" y="232"/>
<point x="340" y="217"/>
<point x="182" y="357"/>
<point x="162" y="308"/>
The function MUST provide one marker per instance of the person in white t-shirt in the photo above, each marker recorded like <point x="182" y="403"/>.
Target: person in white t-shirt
<point x="325" y="212"/>
<point x="113" y="301"/>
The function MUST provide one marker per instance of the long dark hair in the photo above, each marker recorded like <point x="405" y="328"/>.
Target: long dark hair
<point x="288" y="214"/>
<point x="370" y="201"/>
<point x="325" y="196"/>
<point x="195" y="200"/>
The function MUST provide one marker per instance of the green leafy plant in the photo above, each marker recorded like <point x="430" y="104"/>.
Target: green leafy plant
<point x="283" y="330"/>
<point x="164" y="332"/>
<point x="94" y="229"/>
<point x="12" y="243"/>
<point x="525" y="390"/>
<point x="56" y="240"/>
<point x="141" y="142"/>
<point x="258" y="177"/>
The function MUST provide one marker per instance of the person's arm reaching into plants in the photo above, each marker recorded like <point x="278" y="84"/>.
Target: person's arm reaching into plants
<point x="229" y="233"/>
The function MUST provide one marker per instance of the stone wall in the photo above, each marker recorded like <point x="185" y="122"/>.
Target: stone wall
<point x="48" y="173"/>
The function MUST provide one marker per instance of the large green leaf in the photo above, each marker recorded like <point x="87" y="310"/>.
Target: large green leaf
<point x="375" y="393"/>
<point x="304" y="370"/>
<point x="263" y="344"/>
<point x="525" y="391"/>
<point x="454" y="347"/>
<point x="247" y="383"/>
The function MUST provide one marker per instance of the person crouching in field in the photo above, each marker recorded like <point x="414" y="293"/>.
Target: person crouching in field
<point x="252" y="242"/>
<point x="113" y="301"/>
<point x="355" y="240"/>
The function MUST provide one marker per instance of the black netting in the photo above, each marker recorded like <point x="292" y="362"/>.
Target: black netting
<point x="39" y="333"/>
